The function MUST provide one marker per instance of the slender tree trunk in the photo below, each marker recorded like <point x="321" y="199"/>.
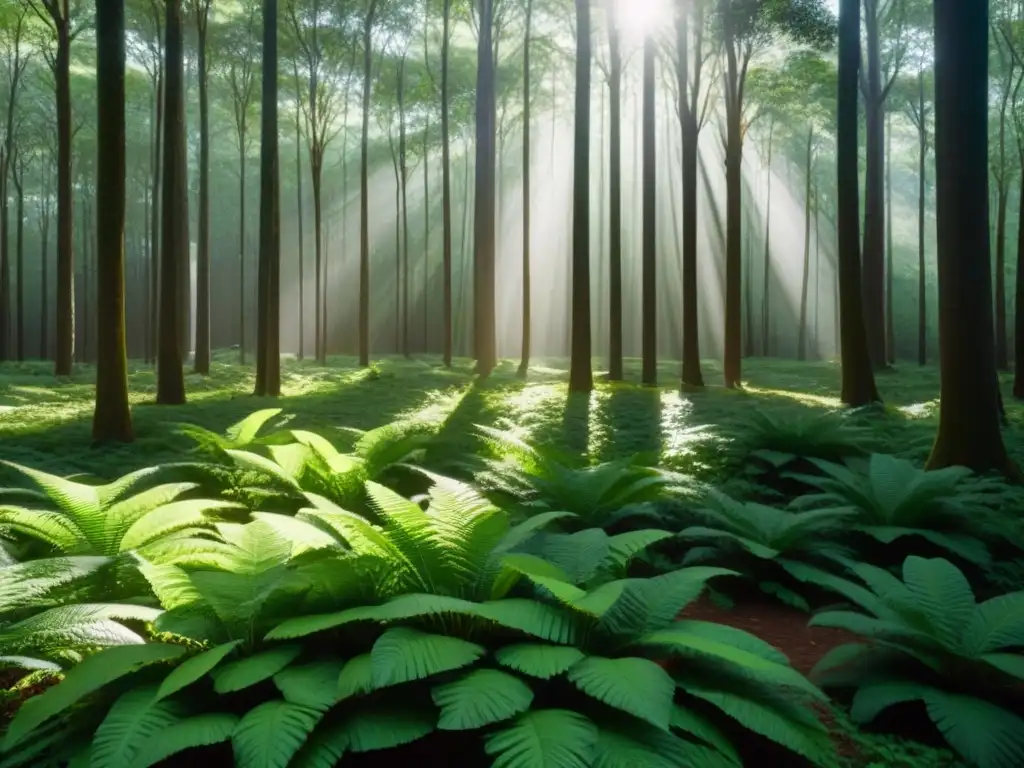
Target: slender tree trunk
<point x="5" y="263"/>
<point x="302" y="255"/>
<point x="65" y="329"/>
<point x="112" y="418"/>
<point x="734" y="218"/>
<point x="969" y="413"/>
<point x="922" y="289"/>
<point x="18" y="174"/>
<point x="874" y="193"/>
<point x="155" y="215"/>
<point x="484" y="335"/>
<point x="446" y="184"/>
<point x="44" y="273"/>
<point x="615" y="198"/>
<point x="688" y="99"/>
<point x="170" y="388"/>
<point x="268" y="353"/>
<point x="649" y="333"/>
<point x="202" y="358"/>
<point x="1018" y="335"/>
<point x="364" y="210"/>
<point x="242" y="287"/>
<point x="801" y="347"/>
<point x="581" y="376"/>
<point x="766" y="288"/>
<point x="890" y="320"/>
<point x="405" y="208"/>
<point x="426" y="237"/>
<point x="398" y="246"/>
<point x="1003" y="199"/>
<point x="524" y="363"/>
<point x="858" y="379"/>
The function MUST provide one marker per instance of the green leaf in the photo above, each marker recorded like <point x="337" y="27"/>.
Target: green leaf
<point x="690" y="722"/>
<point x="480" y="698"/>
<point x="537" y="659"/>
<point x="198" y="731"/>
<point x="402" y="654"/>
<point x="245" y="431"/>
<point x="324" y="749"/>
<point x="254" y="669"/>
<point x="270" y="735"/>
<point x="135" y="718"/>
<point x="986" y="735"/>
<point x="545" y="738"/>
<point x="539" y="620"/>
<point x="384" y="728"/>
<point x="943" y="593"/>
<point x="872" y="699"/>
<point x="636" y="686"/>
<point x="356" y="677"/>
<point x="313" y="685"/>
<point x="191" y="670"/>
<point x="90" y="675"/>
<point x="629" y="746"/>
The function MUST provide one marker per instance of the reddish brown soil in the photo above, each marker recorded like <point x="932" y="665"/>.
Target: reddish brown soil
<point x="785" y="628"/>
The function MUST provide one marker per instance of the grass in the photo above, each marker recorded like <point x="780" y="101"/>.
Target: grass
<point x="45" y="422"/>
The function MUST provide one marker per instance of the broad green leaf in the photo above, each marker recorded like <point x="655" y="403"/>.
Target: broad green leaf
<point x="250" y="670"/>
<point x="191" y="670"/>
<point x="545" y="738"/>
<point x="198" y="731"/>
<point x="480" y="698"/>
<point x="636" y="686"/>
<point x="370" y="729"/>
<point x="270" y="735"/>
<point x="537" y="659"/>
<point x="402" y="654"/>
<point x="313" y="685"/>
<point x="135" y="718"/>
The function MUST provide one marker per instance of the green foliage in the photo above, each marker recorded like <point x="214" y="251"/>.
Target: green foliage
<point x="892" y="499"/>
<point x="781" y="550"/>
<point x="931" y="642"/>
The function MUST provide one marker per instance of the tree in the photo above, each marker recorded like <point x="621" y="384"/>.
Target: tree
<point x="242" y="80"/>
<point x="748" y="27"/>
<point x="858" y="378"/>
<point x="16" y="59"/>
<point x="877" y="79"/>
<point x="581" y="376"/>
<point x="614" y="194"/>
<point x="112" y="418"/>
<point x="649" y="280"/>
<point x="369" y="16"/>
<point x="484" y="328"/>
<point x="918" y="109"/>
<point x="19" y="167"/>
<point x="694" y="98"/>
<point x="268" y="311"/>
<point x="527" y="314"/>
<point x="170" y="381"/>
<point x="201" y="13"/>
<point x="446" y="178"/>
<point x="65" y="24"/>
<point x="318" y="33"/>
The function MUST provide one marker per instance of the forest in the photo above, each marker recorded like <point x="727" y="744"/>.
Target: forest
<point x="512" y="383"/>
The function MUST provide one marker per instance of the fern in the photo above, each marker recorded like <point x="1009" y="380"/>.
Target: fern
<point x="931" y="642"/>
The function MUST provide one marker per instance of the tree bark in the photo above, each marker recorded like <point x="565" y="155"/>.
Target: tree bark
<point x="403" y="167"/>
<point x="65" y="321"/>
<point x="201" y="363"/>
<point x="302" y="255"/>
<point x="874" y="193"/>
<point x="155" y="213"/>
<point x="801" y="346"/>
<point x="18" y="176"/>
<point x="364" y="186"/>
<point x="890" y="321"/>
<point x="649" y="291"/>
<point x="112" y="420"/>
<point x="969" y="413"/>
<point x="615" y="197"/>
<point x="581" y="375"/>
<point x="524" y="363"/>
<point x="484" y="340"/>
<point x="736" y="76"/>
<point x="446" y="183"/>
<point x="268" y="357"/>
<point x="922" y="171"/>
<point x="858" y="378"/>
<point x="170" y="382"/>
<point x="766" y="290"/>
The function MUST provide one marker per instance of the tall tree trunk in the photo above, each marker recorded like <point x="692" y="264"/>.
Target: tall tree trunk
<point x="170" y="382"/>
<point x="615" y="197"/>
<point x="969" y="413"/>
<point x="581" y="375"/>
<point x="649" y="291"/>
<point x="268" y="353"/>
<point x="65" y="321"/>
<point x="202" y="359"/>
<point x="405" y="207"/>
<point x="364" y="185"/>
<point x="801" y="346"/>
<point x="1018" y="327"/>
<point x="524" y="363"/>
<point x="736" y="64"/>
<point x="688" y="103"/>
<point x="858" y="378"/>
<point x="766" y="287"/>
<point x="5" y="263"/>
<point x="398" y="245"/>
<point x="44" y="270"/>
<point x="1003" y="199"/>
<point x="890" y="321"/>
<point x="112" y="418"/>
<point x="426" y="237"/>
<point x="156" y="213"/>
<point x="19" y="286"/>
<point x="922" y="290"/>
<point x="484" y="330"/>
<point x="302" y="255"/>
<point x="446" y="183"/>
<point x="874" y="192"/>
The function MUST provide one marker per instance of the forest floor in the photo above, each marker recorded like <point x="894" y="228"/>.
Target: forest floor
<point x="45" y="423"/>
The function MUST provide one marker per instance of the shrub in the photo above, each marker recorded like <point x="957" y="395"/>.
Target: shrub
<point x="931" y="642"/>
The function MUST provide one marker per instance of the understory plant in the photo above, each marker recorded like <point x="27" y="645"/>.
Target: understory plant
<point x="930" y="643"/>
<point x="783" y="552"/>
<point x="892" y="500"/>
<point x="606" y="495"/>
<point x="328" y="636"/>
